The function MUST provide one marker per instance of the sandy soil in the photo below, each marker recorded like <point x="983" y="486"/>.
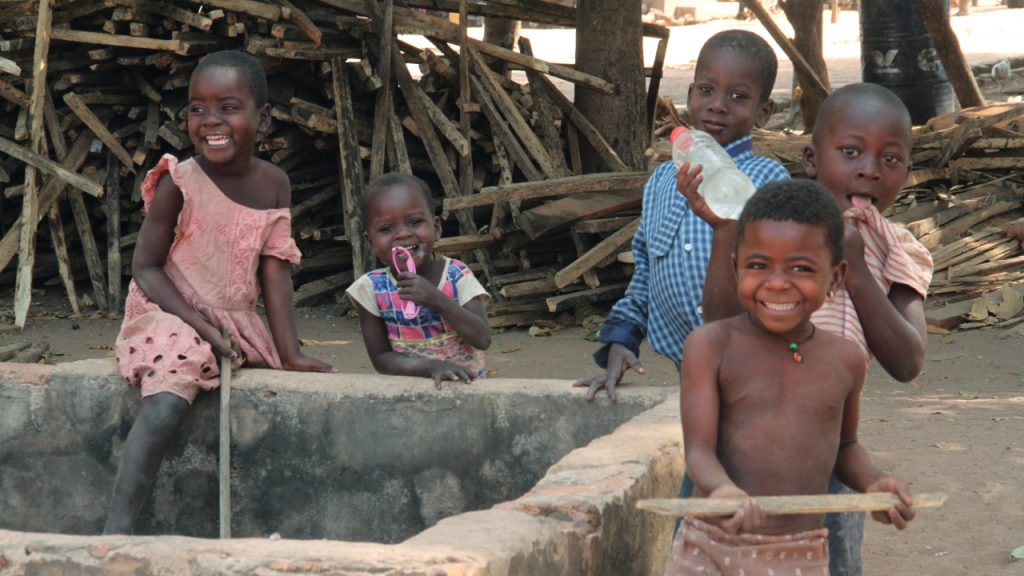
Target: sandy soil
<point x="959" y="430"/>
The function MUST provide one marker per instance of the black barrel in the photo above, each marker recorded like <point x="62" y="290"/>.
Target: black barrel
<point x="896" y="52"/>
<point x="1015" y="3"/>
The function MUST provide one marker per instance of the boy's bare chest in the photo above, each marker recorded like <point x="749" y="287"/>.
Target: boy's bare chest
<point x="785" y="389"/>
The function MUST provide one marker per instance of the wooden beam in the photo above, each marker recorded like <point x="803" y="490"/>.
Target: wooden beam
<point x="82" y="183"/>
<point x="457" y="244"/>
<point x="350" y="171"/>
<point x="30" y="203"/>
<point x="602" y="182"/>
<point x="383" y="20"/>
<point x="302" y="21"/>
<point x="84" y="37"/>
<point x="98" y="128"/>
<point x="464" y="103"/>
<point x="602" y="250"/>
<point x="60" y="248"/>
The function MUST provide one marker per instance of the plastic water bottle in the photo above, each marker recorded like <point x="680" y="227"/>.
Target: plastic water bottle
<point x="725" y="187"/>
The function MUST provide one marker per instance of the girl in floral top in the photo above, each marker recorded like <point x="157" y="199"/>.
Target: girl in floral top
<point x="445" y="338"/>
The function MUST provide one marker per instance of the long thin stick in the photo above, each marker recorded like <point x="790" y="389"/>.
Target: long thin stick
<point x="225" y="443"/>
<point x="699" y="507"/>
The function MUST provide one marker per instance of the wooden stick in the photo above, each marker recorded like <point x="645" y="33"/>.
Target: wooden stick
<point x="96" y="125"/>
<point x="250" y="7"/>
<point x="605" y="247"/>
<point x="787" y="46"/>
<point x="701" y="507"/>
<point x="383" y="24"/>
<point x="465" y="97"/>
<point x="224" y="476"/>
<point x="655" y="83"/>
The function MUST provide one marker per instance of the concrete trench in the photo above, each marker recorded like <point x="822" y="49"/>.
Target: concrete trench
<point x="341" y="474"/>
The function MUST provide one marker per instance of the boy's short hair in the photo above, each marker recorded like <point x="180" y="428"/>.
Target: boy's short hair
<point x="798" y="200"/>
<point x="391" y="179"/>
<point x="750" y="45"/>
<point x="860" y="94"/>
<point x="244" y="63"/>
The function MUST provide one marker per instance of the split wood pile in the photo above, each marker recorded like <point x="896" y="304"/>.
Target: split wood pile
<point x="345" y="108"/>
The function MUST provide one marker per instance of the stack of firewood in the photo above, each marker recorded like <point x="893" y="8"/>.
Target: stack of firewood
<point x="345" y="108"/>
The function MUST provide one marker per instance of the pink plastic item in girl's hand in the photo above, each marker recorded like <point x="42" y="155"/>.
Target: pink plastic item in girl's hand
<point x="409" y="309"/>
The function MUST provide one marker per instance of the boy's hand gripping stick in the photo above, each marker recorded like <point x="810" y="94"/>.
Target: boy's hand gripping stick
<point x="409" y="309"/>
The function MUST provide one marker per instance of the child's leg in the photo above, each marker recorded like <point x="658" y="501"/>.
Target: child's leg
<point x="157" y="421"/>
<point x="845" y="533"/>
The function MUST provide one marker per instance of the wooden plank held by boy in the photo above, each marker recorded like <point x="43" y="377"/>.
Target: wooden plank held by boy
<point x="773" y="505"/>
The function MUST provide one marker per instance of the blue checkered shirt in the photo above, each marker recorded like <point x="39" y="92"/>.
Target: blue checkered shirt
<point x="672" y="247"/>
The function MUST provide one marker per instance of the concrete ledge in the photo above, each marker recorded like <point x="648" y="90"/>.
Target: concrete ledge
<point x="578" y="519"/>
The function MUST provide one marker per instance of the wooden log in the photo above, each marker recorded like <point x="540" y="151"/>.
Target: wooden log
<point x="582" y="247"/>
<point x="961" y="137"/>
<point x="550" y="188"/>
<point x="604" y="293"/>
<point x="962" y="224"/>
<point x="602" y="225"/>
<point x="798" y="60"/>
<point x="30" y="210"/>
<point x="936" y="18"/>
<point x="84" y="37"/>
<point x="187" y="17"/>
<point x="502" y="132"/>
<point x="8" y="66"/>
<point x="610" y="245"/>
<point x="517" y="318"/>
<point x="96" y="125"/>
<point x="446" y="127"/>
<point x="774" y="505"/>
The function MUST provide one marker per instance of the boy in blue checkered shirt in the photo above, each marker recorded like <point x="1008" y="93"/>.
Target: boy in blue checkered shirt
<point x="730" y="95"/>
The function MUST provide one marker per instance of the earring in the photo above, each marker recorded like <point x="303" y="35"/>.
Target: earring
<point x="831" y="292"/>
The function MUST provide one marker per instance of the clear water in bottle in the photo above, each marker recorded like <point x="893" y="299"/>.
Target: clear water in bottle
<point x="725" y="187"/>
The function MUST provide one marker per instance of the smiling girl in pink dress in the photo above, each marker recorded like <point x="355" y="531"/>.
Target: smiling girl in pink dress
<point x="217" y="230"/>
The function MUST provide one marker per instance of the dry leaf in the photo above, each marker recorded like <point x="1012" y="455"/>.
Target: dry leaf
<point x="511" y="349"/>
<point x="491" y="373"/>
<point x="538" y="331"/>
<point x="937" y="330"/>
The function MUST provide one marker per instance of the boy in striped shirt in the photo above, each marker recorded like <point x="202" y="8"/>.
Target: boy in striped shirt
<point x="860" y="151"/>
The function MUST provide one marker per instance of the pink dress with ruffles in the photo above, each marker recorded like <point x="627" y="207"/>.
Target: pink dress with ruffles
<point x="213" y="262"/>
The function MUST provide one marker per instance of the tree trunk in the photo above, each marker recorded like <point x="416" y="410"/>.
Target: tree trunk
<point x="501" y="32"/>
<point x="609" y="44"/>
<point x="805" y="16"/>
<point x="936" y="18"/>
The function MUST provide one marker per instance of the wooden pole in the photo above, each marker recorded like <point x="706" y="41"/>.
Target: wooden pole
<point x="30" y="203"/>
<point x="113" y="234"/>
<point x="773" y="505"/>
<point x="936" y="18"/>
<point x="224" y="476"/>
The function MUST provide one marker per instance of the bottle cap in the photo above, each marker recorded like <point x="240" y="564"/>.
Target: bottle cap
<point x="676" y="132"/>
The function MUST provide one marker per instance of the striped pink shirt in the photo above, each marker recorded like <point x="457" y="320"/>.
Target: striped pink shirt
<point x="893" y="256"/>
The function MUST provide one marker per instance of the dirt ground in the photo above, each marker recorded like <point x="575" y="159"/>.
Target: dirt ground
<point x="958" y="430"/>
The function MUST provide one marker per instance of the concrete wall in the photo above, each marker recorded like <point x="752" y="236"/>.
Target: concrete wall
<point x="579" y="519"/>
<point x="343" y="457"/>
